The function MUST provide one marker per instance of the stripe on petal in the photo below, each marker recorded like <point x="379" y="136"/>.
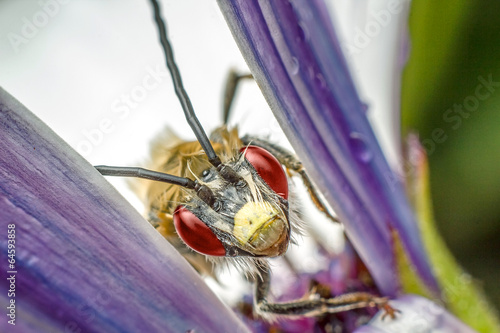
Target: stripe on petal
<point x="291" y="48"/>
<point x="86" y="261"/>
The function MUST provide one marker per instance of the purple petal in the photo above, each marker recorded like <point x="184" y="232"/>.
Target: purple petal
<point x="418" y="314"/>
<point x="86" y="261"/>
<point x="374" y="38"/>
<point x="295" y="57"/>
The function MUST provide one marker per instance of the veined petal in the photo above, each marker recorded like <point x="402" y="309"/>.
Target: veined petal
<point x="85" y="260"/>
<point x="420" y="315"/>
<point x="293" y="52"/>
<point x="374" y="38"/>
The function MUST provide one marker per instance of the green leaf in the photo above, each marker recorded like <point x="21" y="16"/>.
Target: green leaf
<point x="460" y="292"/>
<point x="455" y="50"/>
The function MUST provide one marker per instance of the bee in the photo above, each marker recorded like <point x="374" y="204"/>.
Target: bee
<point x="251" y="211"/>
<point x="227" y="199"/>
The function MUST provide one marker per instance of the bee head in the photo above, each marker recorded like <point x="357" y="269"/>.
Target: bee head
<point x="240" y="209"/>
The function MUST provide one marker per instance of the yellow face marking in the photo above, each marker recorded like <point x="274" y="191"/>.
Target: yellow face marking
<point x="251" y="218"/>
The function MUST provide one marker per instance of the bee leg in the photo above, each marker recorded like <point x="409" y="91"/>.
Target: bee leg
<point x="291" y="162"/>
<point x="232" y="81"/>
<point x="314" y="305"/>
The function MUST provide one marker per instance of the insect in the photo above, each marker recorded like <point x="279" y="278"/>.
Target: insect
<point x="226" y="198"/>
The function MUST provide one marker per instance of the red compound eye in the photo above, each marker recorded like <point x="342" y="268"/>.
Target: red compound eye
<point x="268" y="168"/>
<point x="196" y="234"/>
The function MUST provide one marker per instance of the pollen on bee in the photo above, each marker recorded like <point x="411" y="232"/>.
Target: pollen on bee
<point x="251" y="218"/>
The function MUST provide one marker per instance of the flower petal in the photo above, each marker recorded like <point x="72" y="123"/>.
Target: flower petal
<point x="374" y="38"/>
<point x="417" y="314"/>
<point x="85" y="259"/>
<point x="295" y="57"/>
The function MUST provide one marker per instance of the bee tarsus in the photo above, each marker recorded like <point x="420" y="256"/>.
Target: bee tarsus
<point x="309" y="307"/>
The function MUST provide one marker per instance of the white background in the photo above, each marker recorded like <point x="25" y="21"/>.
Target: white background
<point x="74" y="63"/>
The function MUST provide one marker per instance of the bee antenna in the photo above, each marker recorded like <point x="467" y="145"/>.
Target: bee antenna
<point x="145" y="174"/>
<point x="203" y="192"/>
<point x="179" y="89"/>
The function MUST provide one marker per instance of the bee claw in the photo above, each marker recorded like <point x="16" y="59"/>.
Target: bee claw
<point x="388" y="310"/>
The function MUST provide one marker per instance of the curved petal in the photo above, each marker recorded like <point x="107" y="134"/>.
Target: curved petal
<point x="84" y="259"/>
<point x="374" y="37"/>
<point x="296" y="58"/>
<point x="418" y="314"/>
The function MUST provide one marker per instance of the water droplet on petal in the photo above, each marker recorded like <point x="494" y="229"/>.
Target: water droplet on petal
<point x="32" y="261"/>
<point x="306" y="13"/>
<point x="320" y="81"/>
<point x="360" y="147"/>
<point x="365" y="107"/>
<point x="302" y="32"/>
<point x="294" y="66"/>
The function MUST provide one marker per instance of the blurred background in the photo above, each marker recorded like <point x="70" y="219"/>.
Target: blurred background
<point x="451" y="98"/>
<point x="94" y="72"/>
